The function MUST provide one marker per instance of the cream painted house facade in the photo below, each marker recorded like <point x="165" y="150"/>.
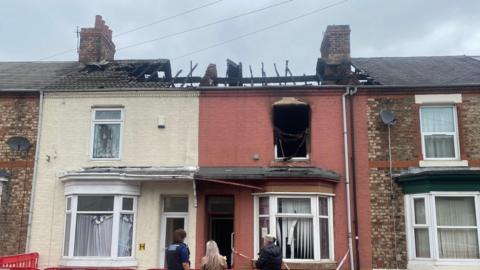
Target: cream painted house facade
<point x="116" y="166"/>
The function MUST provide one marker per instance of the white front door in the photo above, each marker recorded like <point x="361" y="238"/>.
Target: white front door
<point x="174" y="216"/>
<point x="170" y="222"/>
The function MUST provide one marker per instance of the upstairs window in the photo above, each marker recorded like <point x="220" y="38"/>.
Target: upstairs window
<point x="107" y="127"/>
<point x="291" y="121"/>
<point x="439" y="132"/>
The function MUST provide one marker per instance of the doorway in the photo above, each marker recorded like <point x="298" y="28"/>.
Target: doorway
<point x="220" y="218"/>
<point x="174" y="216"/>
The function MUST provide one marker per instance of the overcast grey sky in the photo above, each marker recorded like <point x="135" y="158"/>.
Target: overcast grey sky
<point x="31" y="30"/>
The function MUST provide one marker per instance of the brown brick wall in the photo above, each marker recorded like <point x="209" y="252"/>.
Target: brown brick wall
<point x="389" y="249"/>
<point x="470" y="120"/>
<point x="18" y="117"/>
<point x="406" y="151"/>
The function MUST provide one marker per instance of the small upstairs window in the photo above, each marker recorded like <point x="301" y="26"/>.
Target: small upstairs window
<point x="107" y="124"/>
<point x="291" y="121"/>
<point x="439" y="132"/>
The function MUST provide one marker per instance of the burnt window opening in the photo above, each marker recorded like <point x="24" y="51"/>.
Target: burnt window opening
<point x="291" y="130"/>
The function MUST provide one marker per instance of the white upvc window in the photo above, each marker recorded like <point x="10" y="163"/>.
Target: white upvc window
<point x="99" y="226"/>
<point x="107" y="130"/>
<point x="439" y="129"/>
<point x="443" y="227"/>
<point x="303" y="225"/>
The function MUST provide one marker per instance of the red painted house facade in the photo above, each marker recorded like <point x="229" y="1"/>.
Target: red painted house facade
<point x="295" y="198"/>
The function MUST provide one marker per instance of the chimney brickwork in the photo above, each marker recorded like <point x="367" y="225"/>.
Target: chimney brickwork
<point x="335" y="48"/>
<point x="96" y="43"/>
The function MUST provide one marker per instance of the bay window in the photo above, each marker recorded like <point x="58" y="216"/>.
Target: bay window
<point x="302" y="225"/>
<point x="444" y="226"/>
<point x="99" y="226"/>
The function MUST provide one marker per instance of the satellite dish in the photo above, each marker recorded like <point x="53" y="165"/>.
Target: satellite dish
<point x="19" y="143"/>
<point x="387" y="117"/>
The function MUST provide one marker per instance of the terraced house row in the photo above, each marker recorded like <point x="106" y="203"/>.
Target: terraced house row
<point x="370" y="163"/>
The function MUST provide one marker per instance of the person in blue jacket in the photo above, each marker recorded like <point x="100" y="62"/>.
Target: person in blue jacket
<point x="178" y="254"/>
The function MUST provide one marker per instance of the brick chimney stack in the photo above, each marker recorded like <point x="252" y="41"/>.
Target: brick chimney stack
<point x="335" y="47"/>
<point x="96" y="43"/>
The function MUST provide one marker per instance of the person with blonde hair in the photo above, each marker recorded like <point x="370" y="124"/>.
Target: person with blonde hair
<point x="212" y="259"/>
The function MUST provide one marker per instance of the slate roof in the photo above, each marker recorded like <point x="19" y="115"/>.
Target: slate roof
<point x="430" y="70"/>
<point x="31" y="76"/>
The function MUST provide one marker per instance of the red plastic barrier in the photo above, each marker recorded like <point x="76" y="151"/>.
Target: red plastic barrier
<point x="21" y="262"/>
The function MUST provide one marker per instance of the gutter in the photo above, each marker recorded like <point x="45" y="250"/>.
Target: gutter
<point x="348" y="91"/>
<point x="35" y="173"/>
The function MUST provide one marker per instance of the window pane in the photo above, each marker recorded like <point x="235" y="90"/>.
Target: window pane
<point x="95" y="203"/>
<point x="263" y="205"/>
<point x="125" y="237"/>
<point x="458" y="243"/>
<point x="323" y="206"/>
<point x="68" y="222"/>
<point x="106" y="141"/>
<point x="439" y="146"/>
<point x="69" y="203"/>
<point x="175" y="204"/>
<point x="419" y="205"/>
<point x="127" y="204"/>
<point x="437" y="119"/>
<point x="171" y="226"/>
<point x="93" y="235"/>
<point x="108" y="115"/>
<point x="324" y="240"/>
<point x="220" y="205"/>
<point x="294" y="205"/>
<point x="422" y="243"/>
<point x="295" y="237"/>
<point x="264" y="228"/>
<point x="455" y="211"/>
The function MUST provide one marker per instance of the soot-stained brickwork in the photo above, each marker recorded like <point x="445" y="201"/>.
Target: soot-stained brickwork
<point x="18" y="117"/>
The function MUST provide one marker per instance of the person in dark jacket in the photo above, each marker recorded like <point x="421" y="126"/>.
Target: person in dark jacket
<point x="270" y="256"/>
<point x="177" y="254"/>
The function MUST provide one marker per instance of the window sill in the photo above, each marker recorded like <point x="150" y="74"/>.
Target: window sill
<point x="443" y="163"/>
<point x="443" y="264"/>
<point x="98" y="262"/>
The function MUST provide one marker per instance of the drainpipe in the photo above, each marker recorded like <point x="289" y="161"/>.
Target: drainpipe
<point x="348" y="91"/>
<point x="35" y="173"/>
<point x="354" y="180"/>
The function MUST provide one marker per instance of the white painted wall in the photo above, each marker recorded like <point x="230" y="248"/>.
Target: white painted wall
<point x="65" y="137"/>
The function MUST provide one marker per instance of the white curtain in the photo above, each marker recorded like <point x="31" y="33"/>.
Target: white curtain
<point x="456" y="242"/>
<point x="294" y="206"/>
<point x="295" y="235"/>
<point x="438" y="119"/>
<point x="125" y="237"/>
<point x="93" y="235"/>
<point x="106" y="141"/>
<point x="422" y="244"/>
<point x="440" y="146"/>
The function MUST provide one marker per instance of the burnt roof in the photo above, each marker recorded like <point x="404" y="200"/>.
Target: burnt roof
<point x="428" y="70"/>
<point x="31" y="76"/>
<point x="117" y="74"/>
